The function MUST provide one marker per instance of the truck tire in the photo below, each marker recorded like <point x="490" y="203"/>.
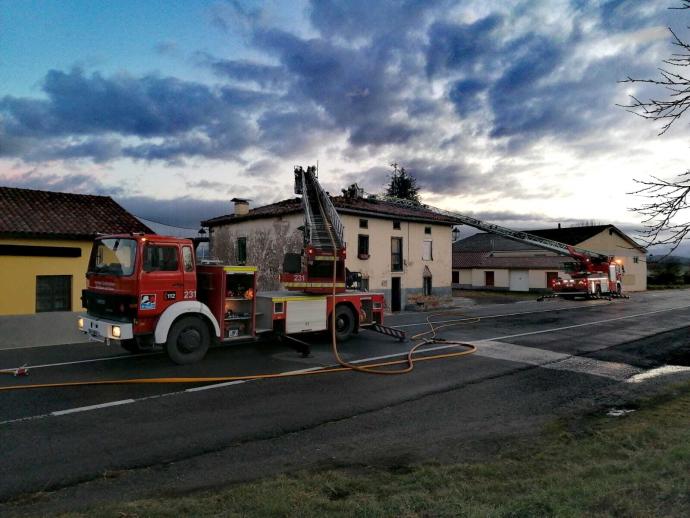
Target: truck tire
<point x="188" y="340"/>
<point x="344" y="322"/>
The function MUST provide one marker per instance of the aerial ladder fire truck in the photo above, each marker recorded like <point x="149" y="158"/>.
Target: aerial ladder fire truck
<point x="146" y="291"/>
<point x="592" y="274"/>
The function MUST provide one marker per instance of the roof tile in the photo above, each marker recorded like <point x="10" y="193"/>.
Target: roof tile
<point x="344" y="205"/>
<point x="32" y="213"/>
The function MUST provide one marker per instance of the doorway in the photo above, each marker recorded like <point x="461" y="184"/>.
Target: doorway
<point x="395" y="294"/>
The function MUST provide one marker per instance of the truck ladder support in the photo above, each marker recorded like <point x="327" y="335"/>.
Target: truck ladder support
<point x="388" y="331"/>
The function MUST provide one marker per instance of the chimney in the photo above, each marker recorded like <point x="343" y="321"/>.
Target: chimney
<point x="241" y="206"/>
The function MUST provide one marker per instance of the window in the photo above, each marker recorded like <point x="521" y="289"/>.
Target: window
<point x="427" y="250"/>
<point x="396" y="225"/>
<point x="159" y="258"/>
<point x="488" y="278"/>
<point x="456" y="277"/>
<point x="113" y="256"/>
<point x="396" y="254"/>
<point x="241" y="250"/>
<point x="365" y="284"/>
<point x="427" y="230"/>
<point x="363" y="223"/>
<point x="363" y="246"/>
<point x="53" y="293"/>
<point x="636" y="259"/>
<point x="188" y="259"/>
<point x="427" y="285"/>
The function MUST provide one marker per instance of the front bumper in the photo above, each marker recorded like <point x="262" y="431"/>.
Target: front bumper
<point x="103" y="330"/>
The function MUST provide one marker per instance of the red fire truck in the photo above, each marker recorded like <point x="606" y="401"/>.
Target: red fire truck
<point x="147" y="291"/>
<point x="591" y="274"/>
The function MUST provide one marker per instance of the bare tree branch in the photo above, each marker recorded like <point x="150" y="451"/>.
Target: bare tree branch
<point x="666" y="199"/>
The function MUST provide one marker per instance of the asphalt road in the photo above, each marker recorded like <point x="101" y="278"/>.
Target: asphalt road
<point x="534" y="361"/>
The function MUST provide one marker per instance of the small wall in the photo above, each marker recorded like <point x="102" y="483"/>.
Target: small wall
<point x="416" y="300"/>
<point x="18" y="331"/>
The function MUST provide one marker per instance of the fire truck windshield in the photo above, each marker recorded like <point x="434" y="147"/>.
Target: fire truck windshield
<point x="114" y="256"/>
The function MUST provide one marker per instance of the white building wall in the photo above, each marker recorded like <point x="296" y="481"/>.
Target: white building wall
<point x="632" y="259"/>
<point x="378" y="267"/>
<point x="501" y="277"/>
<point x="263" y="234"/>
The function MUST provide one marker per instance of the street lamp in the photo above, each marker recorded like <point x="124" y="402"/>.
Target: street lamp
<point x="456" y="234"/>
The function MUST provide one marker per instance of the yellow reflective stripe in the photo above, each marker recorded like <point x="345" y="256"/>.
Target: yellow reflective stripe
<point x="314" y="284"/>
<point x="240" y="269"/>
<point x="288" y="299"/>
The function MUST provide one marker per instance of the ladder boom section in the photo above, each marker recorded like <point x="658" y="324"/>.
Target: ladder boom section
<point x="320" y="215"/>
<point x="515" y="235"/>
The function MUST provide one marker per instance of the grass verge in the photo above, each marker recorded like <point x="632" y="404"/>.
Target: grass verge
<point x="637" y="465"/>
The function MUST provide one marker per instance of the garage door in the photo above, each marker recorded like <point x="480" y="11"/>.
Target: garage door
<point x="519" y="280"/>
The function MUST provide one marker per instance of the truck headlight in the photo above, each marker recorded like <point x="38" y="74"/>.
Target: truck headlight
<point x="80" y="323"/>
<point x="116" y="331"/>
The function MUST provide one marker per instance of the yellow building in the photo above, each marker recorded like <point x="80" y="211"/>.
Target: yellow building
<point x="45" y="243"/>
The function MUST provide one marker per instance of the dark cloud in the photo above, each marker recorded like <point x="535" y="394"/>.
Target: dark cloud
<point x="185" y="114"/>
<point x="465" y="95"/>
<point x="268" y="76"/>
<point x="184" y="211"/>
<point x="350" y="85"/>
<point x="73" y="183"/>
<point x="363" y="18"/>
<point x="98" y="149"/>
<point x="465" y="47"/>
<point x="287" y="133"/>
<point x="229" y="15"/>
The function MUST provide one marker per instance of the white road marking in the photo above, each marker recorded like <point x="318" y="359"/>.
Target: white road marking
<point x="217" y="385"/>
<point x="529" y="355"/>
<point x="93" y="407"/>
<point x="555" y="361"/>
<point x="659" y="371"/>
<point x="627" y="317"/>
<point x="91" y="360"/>
<point x="237" y="382"/>
<point x="425" y="323"/>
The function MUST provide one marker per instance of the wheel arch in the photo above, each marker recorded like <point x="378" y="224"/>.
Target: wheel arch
<point x="181" y="309"/>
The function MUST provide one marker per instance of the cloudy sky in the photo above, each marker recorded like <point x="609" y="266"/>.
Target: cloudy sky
<point x="502" y="110"/>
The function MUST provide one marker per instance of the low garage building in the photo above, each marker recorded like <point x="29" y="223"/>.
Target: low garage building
<point x="489" y="261"/>
<point x="45" y="244"/>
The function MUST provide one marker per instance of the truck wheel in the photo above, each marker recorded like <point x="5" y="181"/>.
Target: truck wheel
<point x="344" y="322"/>
<point x="188" y="340"/>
